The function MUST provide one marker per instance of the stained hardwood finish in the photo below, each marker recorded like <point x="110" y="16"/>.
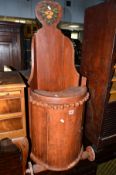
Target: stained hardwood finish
<point x="57" y="119"/>
<point x="98" y="65"/>
<point x="12" y="125"/>
<point x="56" y="95"/>
<point x="12" y="106"/>
<point x="55" y="59"/>
<point x="10" y="45"/>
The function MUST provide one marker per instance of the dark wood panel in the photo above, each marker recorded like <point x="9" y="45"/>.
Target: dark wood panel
<point x="99" y="57"/>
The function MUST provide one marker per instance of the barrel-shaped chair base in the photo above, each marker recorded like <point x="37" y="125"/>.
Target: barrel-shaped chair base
<point x="45" y="167"/>
<point x="56" y="121"/>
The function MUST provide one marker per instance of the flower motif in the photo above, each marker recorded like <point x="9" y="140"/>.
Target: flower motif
<point x="49" y="12"/>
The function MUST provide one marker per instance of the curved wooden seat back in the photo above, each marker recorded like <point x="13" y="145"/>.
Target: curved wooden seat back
<point x="52" y="53"/>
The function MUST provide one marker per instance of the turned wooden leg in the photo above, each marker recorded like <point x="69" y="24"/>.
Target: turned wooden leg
<point x="22" y="143"/>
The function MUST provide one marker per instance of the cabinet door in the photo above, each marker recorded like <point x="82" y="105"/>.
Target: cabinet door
<point x="10" y="50"/>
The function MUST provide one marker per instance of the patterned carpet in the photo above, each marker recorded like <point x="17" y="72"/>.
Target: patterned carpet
<point x="107" y="168"/>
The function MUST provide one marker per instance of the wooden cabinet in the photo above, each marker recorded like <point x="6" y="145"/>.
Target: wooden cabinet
<point x="12" y="111"/>
<point x="12" y="106"/>
<point x="99" y="66"/>
<point x="10" y="45"/>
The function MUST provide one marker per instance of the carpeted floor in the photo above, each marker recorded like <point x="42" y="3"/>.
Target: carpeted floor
<point x="107" y="168"/>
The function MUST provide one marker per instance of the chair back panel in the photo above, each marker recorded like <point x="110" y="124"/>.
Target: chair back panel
<point x="53" y="57"/>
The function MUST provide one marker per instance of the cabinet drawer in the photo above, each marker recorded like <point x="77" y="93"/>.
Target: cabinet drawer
<point x="8" y="125"/>
<point x="10" y="93"/>
<point x="10" y="105"/>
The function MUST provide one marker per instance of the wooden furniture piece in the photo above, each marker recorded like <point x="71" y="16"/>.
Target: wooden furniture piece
<point x="10" y="158"/>
<point x="12" y="111"/>
<point x="56" y="96"/>
<point x="10" y="45"/>
<point x="99" y="66"/>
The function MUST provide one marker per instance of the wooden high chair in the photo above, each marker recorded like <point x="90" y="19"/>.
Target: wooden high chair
<point x="56" y="95"/>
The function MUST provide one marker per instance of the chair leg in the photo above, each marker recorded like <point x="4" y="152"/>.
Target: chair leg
<point x="29" y="170"/>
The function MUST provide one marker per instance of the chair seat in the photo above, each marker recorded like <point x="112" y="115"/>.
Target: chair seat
<point x="69" y="97"/>
<point x="69" y="92"/>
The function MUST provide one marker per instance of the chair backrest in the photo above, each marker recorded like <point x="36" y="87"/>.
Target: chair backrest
<point x="52" y="53"/>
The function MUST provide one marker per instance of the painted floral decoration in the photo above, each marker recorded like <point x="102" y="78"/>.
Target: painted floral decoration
<point x="49" y="12"/>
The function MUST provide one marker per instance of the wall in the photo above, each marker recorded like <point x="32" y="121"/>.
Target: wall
<point x="25" y="8"/>
<point x="75" y="13"/>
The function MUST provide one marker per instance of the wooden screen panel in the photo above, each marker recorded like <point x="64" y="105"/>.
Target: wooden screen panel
<point x="99" y="57"/>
